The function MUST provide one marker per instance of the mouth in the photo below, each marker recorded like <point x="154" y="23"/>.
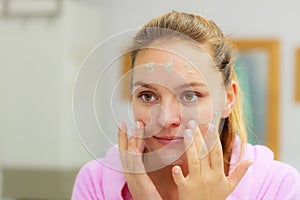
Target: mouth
<point x="166" y="140"/>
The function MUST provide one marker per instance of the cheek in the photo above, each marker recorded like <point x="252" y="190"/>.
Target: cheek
<point x="140" y="113"/>
<point x="200" y="113"/>
<point x="150" y="116"/>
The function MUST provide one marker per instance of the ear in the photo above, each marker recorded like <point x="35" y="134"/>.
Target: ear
<point x="231" y="95"/>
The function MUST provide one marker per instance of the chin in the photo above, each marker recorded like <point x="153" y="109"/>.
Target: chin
<point x="163" y="156"/>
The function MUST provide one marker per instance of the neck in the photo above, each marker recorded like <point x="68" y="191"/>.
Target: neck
<point x="164" y="183"/>
<point x="164" y="175"/>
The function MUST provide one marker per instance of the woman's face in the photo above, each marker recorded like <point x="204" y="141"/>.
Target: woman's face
<point x="170" y="89"/>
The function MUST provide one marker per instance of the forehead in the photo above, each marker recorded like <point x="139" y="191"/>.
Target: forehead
<point x="173" y="64"/>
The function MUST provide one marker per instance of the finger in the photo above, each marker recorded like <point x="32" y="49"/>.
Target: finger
<point x="191" y="153"/>
<point x="122" y="144"/>
<point x="134" y="156"/>
<point x="216" y="153"/>
<point x="131" y="152"/>
<point x="122" y="136"/>
<point x="203" y="153"/>
<point x="235" y="177"/>
<point x="192" y="125"/>
<point x="178" y="177"/>
<point x="200" y="146"/>
<point x="132" y="142"/>
<point x="135" y="162"/>
<point x="139" y="135"/>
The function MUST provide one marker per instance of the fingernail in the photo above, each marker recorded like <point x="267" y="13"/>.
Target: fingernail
<point x="211" y="128"/>
<point x="192" y="124"/>
<point x="189" y="134"/>
<point x="122" y="126"/>
<point x="138" y="125"/>
<point x="177" y="171"/>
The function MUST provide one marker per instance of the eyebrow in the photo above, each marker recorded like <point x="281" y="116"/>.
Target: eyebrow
<point x="142" y="84"/>
<point x="192" y="84"/>
<point x="186" y="85"/>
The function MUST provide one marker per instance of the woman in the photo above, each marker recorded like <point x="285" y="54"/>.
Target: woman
<point x="184" y="93"/>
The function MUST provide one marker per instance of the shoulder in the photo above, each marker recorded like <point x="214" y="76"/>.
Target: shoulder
<point x="286" y="180"/>
<point x="98" y="169"/>
<point x="266" y="178"/>
<point x="88" y="183"/>
<point x="274" y="179"/>
<point x="264" y="159"/>
<point x="283" y="169"/>
<point x="100" y="178"/>
<point x="92" y="169"/>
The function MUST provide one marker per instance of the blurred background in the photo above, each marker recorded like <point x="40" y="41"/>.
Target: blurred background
<point x="43" y="43"/>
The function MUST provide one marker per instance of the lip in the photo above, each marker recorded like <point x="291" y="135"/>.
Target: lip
<point x="166" y="140"/>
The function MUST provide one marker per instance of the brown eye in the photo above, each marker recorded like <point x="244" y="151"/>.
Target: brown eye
<point x="191" y="96"/>
<point x="147" y="97"/>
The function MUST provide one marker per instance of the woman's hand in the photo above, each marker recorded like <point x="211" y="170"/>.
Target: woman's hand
<point x="139" y="183"/>
<point x="206" y="178"/>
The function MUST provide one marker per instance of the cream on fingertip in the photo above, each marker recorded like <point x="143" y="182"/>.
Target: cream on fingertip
<point x="211" y="128"/>
<point x="189" y="134"/>
<point x="192" y="124"/>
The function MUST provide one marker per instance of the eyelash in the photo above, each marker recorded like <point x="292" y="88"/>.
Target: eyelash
<point x="143" y="94"/>
<point x="196" y="95"/>
<point x="152" y="95"/>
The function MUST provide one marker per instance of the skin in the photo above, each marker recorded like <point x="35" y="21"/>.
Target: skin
<point x="168" y="112"/>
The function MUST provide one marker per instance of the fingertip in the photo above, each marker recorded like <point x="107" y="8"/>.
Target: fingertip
<point x="188" y="134"/>
<point x="139" y="124"/>
<point x="122" y="126"/>
<point x="139" y="135"/>
<point x="139" y="129"/>
<point x="211" y="128"/>
<point x="176" y="170"/>
<point x="192" y="124"/>
<point x="177" y="175"/>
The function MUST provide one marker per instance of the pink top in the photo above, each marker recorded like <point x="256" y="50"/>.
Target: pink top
<point x="265" y="179"/>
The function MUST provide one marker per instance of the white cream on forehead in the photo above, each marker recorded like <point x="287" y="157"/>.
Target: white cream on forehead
<point x="149" y="66"/>
<point x="168" y="73"/>
<point x="167" y="52"/>
<point x="169" y="66"/>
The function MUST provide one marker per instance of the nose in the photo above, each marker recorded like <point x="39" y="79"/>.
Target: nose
<point x="170" y="115"/>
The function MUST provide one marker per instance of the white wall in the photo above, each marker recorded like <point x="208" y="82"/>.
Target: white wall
<point x="39" y="60"/>
<point x="31" y="57"/>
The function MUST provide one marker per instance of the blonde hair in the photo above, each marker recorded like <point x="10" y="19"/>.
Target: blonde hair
<point x="206" y="33"/>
